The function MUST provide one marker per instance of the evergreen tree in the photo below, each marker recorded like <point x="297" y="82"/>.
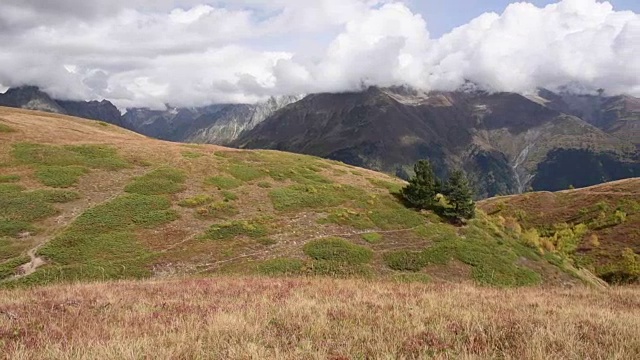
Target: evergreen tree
<point x="423" y="187"/>
<point x="460" y="197"/>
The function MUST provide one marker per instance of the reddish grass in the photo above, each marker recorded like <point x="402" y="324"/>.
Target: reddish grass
<point x="242" y="318"/>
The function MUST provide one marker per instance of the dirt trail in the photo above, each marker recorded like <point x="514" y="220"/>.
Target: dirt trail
<point x="93" y="196"/>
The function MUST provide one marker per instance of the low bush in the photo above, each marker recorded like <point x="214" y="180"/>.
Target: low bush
<point x="405" y="260"/>
<point x="91" y="156"/>
<point x="196" y="201"/>
<point x="338" y="250"/>
<point x="6" y="129"/>
<point x="223" y="182"/>
<point x="60" y="176"/>
<point x="281" y="266"/>
<point x="218" y="210"/>
<point x="9" y="179"/>
<point x="163" y="181"/>
<point x="372" y="238"/>
<point x="231" y="230"/>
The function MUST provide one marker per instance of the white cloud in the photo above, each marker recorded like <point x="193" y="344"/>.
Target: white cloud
<point x="187" y="52"/>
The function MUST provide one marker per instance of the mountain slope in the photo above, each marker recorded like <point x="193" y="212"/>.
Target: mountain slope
<point x="214" y="124"/>
<point x="30" y="97"/>
<point x="500" y="139"/>
<point x="593" y="226"/>
<point x="85" y="200"/>
<point x="616" y="115"/>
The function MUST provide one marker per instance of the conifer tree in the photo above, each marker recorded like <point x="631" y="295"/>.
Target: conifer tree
<point x="423" y="187"/>
<point x="460" y="197"/>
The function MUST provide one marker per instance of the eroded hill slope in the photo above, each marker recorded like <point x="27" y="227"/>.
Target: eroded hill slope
<point x="84" y="200"/>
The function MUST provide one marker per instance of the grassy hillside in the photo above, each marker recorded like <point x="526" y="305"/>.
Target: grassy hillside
<point x="257" y="318"/>
<point x="84" y="200"/>
<point x="597" y="228"/>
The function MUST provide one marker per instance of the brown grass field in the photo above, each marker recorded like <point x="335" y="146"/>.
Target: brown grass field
<point x="298" y="318"/>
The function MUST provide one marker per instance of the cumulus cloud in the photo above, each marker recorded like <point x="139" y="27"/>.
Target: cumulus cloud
<point x="189" y="52"/>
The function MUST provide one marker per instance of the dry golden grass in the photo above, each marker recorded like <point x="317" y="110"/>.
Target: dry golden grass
<point x="260" y="318"/>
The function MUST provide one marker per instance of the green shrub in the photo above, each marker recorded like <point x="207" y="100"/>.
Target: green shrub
<point x="394" y="216"/>
<point x="223" y="182"/>
<point x="405" y="260"/>
<point x="218" y="210"/>
<point x="298" y="197"/>
<point x="394" y="188"/>
<point x="245" y="172"/>
<point x="372" y="238"/>
<point x="101" y="243"/>
<point x="347" y="217"/>
<point x="338" y="269"/>
<point x="230" y="230"/>
<point x="300" y="169"/>
<point x="60" y="176"/>
<point x="6" y="129"/>
<point x="11" y="247"/>
<point x="9" y="268"/>
<point x="338" y="250"/>
<point x="14" y="227"/>
<point x="158" y="182"/>
<point x="196" y="201"/>
<point x="18" y="206"/>
<point x="9" y="178"/>
<point x="91" y="156"/>
<point x="440" y="253"/>
<point x="625" y="271"/>
<point x="191" y="155"/>
<point x="437" y="232"/>
<point x="281" y="266"/>
<point x="229" y="196"/>
<point x="127" y="211"/>
<point x="10" y="188"/>
<point x="56" y="196"/>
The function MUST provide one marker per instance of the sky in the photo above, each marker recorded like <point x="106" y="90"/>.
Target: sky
<point x="148" y="53"/>
<point x="443" y="15"/>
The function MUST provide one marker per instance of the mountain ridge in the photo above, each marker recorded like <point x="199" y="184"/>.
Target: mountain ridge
<point x="507" y="142"/>
<point x="499" y="139"/>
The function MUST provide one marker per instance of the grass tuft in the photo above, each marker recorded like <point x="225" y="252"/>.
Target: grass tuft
<point x="163" y="181"/>
<point x="405" y="260"/>
<point x="9" y="179"/>
<point x="91" y="156"/>
<point x="230" y="230"/>
<point x="244" y="172"/>
<point x="280" y="267"/>
<point x="299" y="197"/>
<point x="60" y="176"/>
<point x="191" y="155"/>
<point x="5" y="129"/>
<point x="223" y="182"/>
<point x="372" y="238"/>
<point x="218" y="210"/>
<point x="195" y="201"/>
<point x="10" y="267"/>
<point x="338" y="250"/>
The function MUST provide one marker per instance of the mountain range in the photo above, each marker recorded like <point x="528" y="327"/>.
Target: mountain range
<point x="506" y="142"/>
